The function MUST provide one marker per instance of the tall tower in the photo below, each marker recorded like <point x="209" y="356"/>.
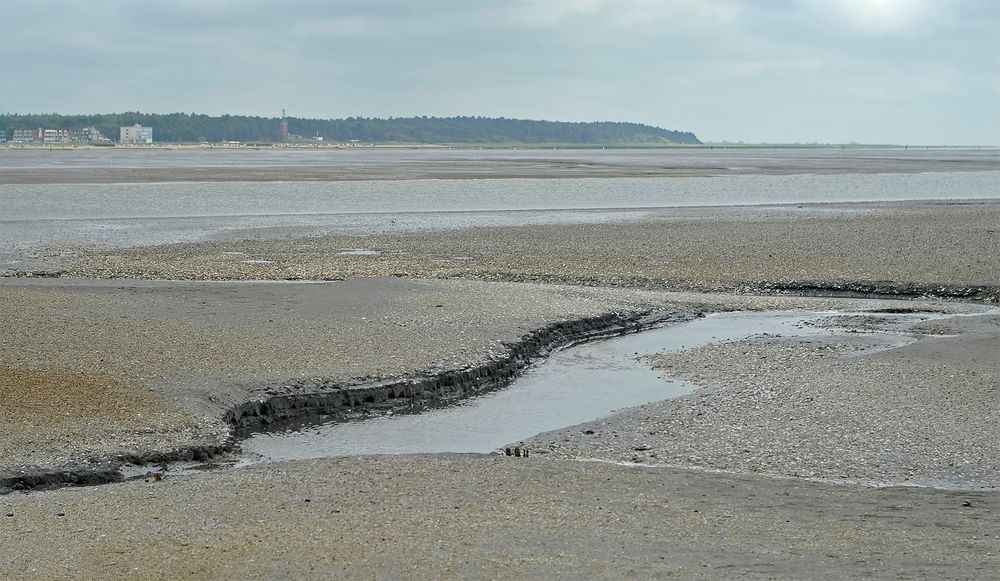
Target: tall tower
<point x="283" y="128"/>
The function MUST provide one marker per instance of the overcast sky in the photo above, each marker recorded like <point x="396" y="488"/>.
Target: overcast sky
<point x="872" y="71"/>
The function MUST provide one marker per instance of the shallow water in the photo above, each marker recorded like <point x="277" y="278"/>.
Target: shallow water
<point x="704" y="159"/>
<point x="38" y="219"/>
<point x="36" y="202"/>
<point x="572" y="386"/>
<point x="49" y="216"/>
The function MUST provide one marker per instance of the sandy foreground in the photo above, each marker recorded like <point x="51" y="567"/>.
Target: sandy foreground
<point x="766" y="471"/>
<point x="490" y="516"/>
<point x="174" y="356"/>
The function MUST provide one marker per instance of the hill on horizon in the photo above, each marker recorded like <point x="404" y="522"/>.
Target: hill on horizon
<point x="191" y="127"/>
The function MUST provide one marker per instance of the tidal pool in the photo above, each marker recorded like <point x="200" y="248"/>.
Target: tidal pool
<point x="571" y="386"/>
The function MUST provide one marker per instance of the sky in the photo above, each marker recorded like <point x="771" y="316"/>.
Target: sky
<point x="778" y="71"/>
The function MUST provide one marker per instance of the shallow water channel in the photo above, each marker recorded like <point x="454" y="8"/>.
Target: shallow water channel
<point x="572" y="386"/>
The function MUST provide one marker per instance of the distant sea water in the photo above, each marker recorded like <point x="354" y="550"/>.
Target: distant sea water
<point x="120" y="214"/>
<point x="221" y="199"/>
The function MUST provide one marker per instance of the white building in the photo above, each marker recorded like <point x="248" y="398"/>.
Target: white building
<point x="55" y="135"/>
<point x="136" y="134"/>
<point x="27" y="135"/>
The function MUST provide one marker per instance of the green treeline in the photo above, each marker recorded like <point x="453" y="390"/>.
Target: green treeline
<point x="184" y="127"/>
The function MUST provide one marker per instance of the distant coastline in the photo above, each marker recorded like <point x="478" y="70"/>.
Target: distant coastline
<point x="465" y="131"/>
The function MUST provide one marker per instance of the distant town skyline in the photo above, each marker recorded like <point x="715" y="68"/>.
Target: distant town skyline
<point x="778" y="71"/>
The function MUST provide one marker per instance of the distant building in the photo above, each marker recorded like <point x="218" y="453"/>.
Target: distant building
<point x="55" y="136"/>
<point x="3" y="136"/>
<point x="26" y="135"/>
<point x="90" y="135"/>
<point x="136" y="134"/>
<point x="87" y="135"/>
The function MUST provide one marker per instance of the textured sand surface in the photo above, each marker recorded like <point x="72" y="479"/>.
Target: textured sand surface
<point x="132" y="368"/>
<point x="331" y="164"/>
<point x="98" y="369"/>
<point x="951" y="245"/>
<point x="487" y="517"/>
<point x="856" y="408"/>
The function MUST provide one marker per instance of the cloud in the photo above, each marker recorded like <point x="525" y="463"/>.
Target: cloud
<point x="672" y="15"/>
<point x="753" y="70"/>
<point x="350" y="26"/>
<point x="892" y="17"/>
<point x="787" y="65"/>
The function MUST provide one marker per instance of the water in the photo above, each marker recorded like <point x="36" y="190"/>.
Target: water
<point x="37" y="202"/>
<point x="372" y="159"/>
<point x="34" y="215"/>
<point x="572" y="386"/>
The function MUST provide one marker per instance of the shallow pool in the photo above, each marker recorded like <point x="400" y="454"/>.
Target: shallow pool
<point x="572" y="386"/>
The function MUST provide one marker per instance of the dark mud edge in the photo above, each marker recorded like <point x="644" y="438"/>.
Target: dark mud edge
<point x="858" y="289"/>
<point x="315" y="398"/>
<point x="988" y="294"/>
<point x="312" y="399"/>
<point x="841" y="289"/>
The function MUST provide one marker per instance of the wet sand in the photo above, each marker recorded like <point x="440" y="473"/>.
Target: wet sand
<point x="947" y="249"/>
<point x="184" y="353"/>
<point x="119" y="370"/>
<point x="331" y="164"/>
<point x="855" y="408"/>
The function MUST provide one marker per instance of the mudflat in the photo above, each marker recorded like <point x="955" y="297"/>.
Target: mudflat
<point x="859" y="407"/>
<point x="265" y="164"/>
<point x="179" y="353"/>
<point x="793" y="457"/>
<point x="908" y="248"/>
<point x="97" y="373"/>
<point x="100" y="372"/>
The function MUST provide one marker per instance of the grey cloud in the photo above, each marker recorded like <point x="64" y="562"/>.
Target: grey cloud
<point x="782" y="70"/>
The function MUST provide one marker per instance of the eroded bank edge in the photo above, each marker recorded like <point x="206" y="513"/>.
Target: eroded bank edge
<point x="874" y="289"/>
<point x="317" y="398"/>
<point x="987" y="294"/>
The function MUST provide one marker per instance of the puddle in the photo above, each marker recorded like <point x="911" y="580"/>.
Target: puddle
<point x="572" y="386"/>
<point x="359" y="252"/>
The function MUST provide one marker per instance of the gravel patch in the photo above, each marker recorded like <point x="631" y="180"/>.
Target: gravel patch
<point x="909" y="248"/>
<point x="843" y="408"/>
